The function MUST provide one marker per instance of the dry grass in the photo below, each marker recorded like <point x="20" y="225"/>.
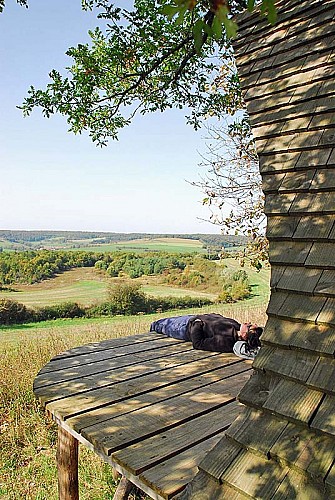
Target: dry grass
<point x="27" y="438"/>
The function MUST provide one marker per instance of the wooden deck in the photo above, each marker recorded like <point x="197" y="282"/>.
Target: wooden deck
<point x="150" y="406"/>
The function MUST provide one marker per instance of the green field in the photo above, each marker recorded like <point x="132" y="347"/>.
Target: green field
<point x="172" y="245"/>
<point x="88" y="286"/>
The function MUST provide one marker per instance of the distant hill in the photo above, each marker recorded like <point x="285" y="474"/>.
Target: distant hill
<point x="25" y="240"/>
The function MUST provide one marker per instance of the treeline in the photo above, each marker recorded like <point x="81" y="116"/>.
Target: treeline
<point x="123" y="299"/>
<point x="21" y="237"/>
<point x="136" y="265"/>
<point x="32" y="266"/>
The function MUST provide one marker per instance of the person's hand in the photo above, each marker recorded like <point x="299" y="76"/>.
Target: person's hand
<point x="243" y="333"/>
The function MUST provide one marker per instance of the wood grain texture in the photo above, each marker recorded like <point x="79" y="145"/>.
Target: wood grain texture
<point x="152" y="451"/>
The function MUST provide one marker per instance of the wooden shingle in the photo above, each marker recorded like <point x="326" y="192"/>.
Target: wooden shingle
<point x="326" y="283"/>
<point x="243" y="432"/>
<point x="321" y="254"/>
<point x="291" y="364"/>
<point x="293" y="252"/>
<point x="313" y="227"/>
<point x="323" y="375"/>
<point x="220" y="457"/>
<point x="299" y="279"/>
<point x="281" y="227"/>
<point x="324" y="420"/>
<point x="304" y="451"/>
<point x="319" y="339"/>
<point x="254" y="475"/>
<point x="279" y="162"/>
<point x="327" y="314"/>
<point x="306" y="308"/>
<point x="296" y="485"/>
<point x="293" y="401"/>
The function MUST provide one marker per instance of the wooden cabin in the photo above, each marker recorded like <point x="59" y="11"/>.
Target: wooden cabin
<point x="283" y="443"/>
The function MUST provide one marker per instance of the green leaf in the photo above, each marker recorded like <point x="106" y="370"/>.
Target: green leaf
<point x="170" y="11"/>
<point x="231" y="28"/>
<point x="272" y="12"/>
<point x="251" y="5"/>
<point x="217" y="28"/>
<point x="197" y="34"/>
<point x="268" y="6"/>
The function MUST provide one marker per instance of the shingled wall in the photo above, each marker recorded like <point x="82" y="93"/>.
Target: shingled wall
<point x="283" y="444"/>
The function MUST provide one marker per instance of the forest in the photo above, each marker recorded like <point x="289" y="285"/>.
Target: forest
<point x="121" y="270"/>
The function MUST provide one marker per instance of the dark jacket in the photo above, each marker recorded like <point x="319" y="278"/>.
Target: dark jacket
<point x="212" y="332"/>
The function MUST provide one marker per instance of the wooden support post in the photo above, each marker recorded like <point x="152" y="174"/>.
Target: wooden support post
<point x="123" y="490"/>
<point x="67" y="464"/>
<point x="116" y="474"/>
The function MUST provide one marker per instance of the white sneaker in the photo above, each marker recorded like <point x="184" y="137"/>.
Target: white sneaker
<point x="242" y="350"/>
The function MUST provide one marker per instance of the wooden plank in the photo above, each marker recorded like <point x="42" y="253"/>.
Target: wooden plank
<point x="297" y="181"/>
<point x="295" y="365"/>
<point x="279" y="162"/>
<point x="328" y="137"/>
<point x="327" y="315"/>
<point x="281" y="227"/>
<point x="276" y="274"/>
<point x="323" y="375"/>
<point x="129" y="428"/>
<point x="171" y="476"/>
<point x="113" y="372"/>
<point x="326" y="283"/>
<point x="293" y="401"/>
<point x="136" y="392"/>
<point x="304" y="307"/>
<point x="304" y="451"/>
<point x="299" y="279"/>
<point x="61" y="363"/>
<point x="321" y="254"/>
<point x="331" y="159"/>
<point x="313" y="158"/>
<point x="278" y="204"/>
<point x="257" y="390"/>
<point x="330" y="479"/>
<point x="324" y="420"/>
<point x="319" y="339"/>
<point x="297" y="486"/>
<point x="148" y="453"/>
<point x="254" y="475"/>
<point x="324" y="179"/>
<point x="203" y="483"/>
<point x="314" y="202"/>
<point x="134" y="364"/>
<point x="250" y="425"/>
<point x="109" y="344"/>
<point x="314" y="226"/>
<point x="289" y="252"/>
<point x="220" y="457"/>
<point x="290" y="81"/>
<point x="318" y="105"/>
<point x="276" y="301"/>
<point x="272" y="182"/>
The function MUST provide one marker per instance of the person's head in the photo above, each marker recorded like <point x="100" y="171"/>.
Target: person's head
<point x="253" y="336"/>
<point x="251" y="332"/>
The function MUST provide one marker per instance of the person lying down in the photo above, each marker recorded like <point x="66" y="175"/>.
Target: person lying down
<point x="213" y="332"/>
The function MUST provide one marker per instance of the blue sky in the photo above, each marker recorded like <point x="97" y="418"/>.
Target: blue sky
<point x="52" y="179"/>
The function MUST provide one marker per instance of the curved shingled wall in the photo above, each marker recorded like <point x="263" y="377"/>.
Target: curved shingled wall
<point x="283" y="444"/>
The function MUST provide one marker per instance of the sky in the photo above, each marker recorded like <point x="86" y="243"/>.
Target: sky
<point x="51" y="179"/>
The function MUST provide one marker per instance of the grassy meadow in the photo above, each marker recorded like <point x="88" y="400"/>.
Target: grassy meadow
<point x="27" y="436"/>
